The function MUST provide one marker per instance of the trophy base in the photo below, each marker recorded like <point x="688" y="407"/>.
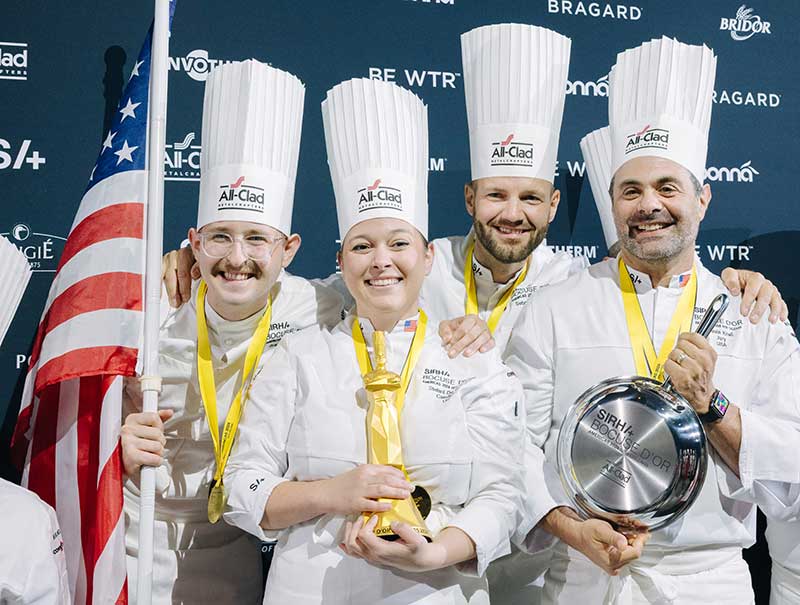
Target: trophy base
<point x="386" y="533"/>
<point x="402" y="511"/>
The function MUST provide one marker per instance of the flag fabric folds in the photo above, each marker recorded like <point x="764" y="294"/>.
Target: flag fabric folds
<point x="67" y="437"/>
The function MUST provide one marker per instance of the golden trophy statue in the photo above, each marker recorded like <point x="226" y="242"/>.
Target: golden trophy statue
<point x="384" y="445"/>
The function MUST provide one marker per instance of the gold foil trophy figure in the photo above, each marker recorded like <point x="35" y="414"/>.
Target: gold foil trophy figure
<point x="384" y="445"/>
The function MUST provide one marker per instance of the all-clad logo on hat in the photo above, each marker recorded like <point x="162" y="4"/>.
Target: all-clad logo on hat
<point x="378" y="195"/>
<point x="511" y="152"/>
<point x="241" y="196"/>
<point x="647" y="138"/>
<point x="745" y="24"/>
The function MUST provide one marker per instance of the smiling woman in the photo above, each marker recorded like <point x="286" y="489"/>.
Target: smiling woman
<point x="372" y="431"/>
<point x="383" y="262"/>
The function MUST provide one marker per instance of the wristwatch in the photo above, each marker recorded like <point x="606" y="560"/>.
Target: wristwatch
<point x="716" y="408"/>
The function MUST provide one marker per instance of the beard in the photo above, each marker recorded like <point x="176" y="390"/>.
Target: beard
<point x="508" y="253"/>
<point x="685" y="234"/>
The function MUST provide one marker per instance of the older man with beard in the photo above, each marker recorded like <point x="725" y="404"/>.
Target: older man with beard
<point x="742" y="381"/>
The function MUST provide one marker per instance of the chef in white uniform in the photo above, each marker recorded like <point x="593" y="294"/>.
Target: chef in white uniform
<point x="303" y="436"/>
<point x="743" y="381"/>
<point x="515" y="79"/>
<point x="252" y="116"/>
<point x="33" y="570"/>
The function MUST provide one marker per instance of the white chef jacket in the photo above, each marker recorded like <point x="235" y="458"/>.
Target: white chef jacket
<point x="573" y="335"/>
<point x="195" y="561"/>
<point x="783" y="537"/>
<point x="33" y="569"/>
<point x="462" y="434"/>
<point x="444" y="293"/>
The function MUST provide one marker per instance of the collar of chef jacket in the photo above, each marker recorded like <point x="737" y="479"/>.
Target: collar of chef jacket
<point x="398" y="340"/>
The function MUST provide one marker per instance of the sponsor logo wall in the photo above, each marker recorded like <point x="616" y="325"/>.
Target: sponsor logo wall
<point x="52" y="119"/>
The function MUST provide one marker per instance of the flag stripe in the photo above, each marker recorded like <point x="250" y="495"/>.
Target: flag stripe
<point x="95" y="293"/>
<point x="91" y="396"/>
<point x="116" y="189"/>
<point x="111" y="256"/>
<point x="112" y="559"/>
<point x="119" y="220"/>
<point x="111" y="416"/>
<point x="101" y="328"/>
<point x="69" y="506"/>
<point x="108" y="359"/>
<point x="41" y="476"/>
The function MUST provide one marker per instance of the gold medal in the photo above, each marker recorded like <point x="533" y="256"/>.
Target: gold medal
<point x="216" y="502"/>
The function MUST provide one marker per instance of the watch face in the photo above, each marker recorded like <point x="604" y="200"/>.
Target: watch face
<point x="720" y="404"/>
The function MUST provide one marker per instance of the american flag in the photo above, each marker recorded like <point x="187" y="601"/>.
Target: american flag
<point x="67" y="437"/>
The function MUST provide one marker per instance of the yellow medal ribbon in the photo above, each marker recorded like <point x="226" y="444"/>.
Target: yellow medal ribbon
<point x="644" y="352"/>
<point x="365" y="363"/>
<point x="208" y="392"/>
<point x="472" y="291"/>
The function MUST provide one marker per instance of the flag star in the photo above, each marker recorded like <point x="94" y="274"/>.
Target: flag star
<point x="107" y="144"/>
<point x="135" y="70"/>
<point x="126" y="153"/>
<point x="127" y="111"/>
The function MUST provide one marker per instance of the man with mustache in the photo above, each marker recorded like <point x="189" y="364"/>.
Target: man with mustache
<point x="210" y="348"/>
<point x="610" y="321"/>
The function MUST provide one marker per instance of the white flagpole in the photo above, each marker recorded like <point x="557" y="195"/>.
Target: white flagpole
<point x="151" y="381"/>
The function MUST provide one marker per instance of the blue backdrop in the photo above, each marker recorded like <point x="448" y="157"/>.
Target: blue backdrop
<point x="62" y="69"/>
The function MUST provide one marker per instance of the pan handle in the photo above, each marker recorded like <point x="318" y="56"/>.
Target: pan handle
<point x="710" y="319"/>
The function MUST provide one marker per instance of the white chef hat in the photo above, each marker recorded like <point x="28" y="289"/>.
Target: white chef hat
<point x="376" y="134"/>
<point x="596" y="149"/>
<point x="252" y="116"/>
<point x="660" y="103"/>
<point x="515" y="81"/>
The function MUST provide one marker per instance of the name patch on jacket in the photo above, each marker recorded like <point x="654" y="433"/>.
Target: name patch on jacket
<point x="279" y="329"/>
<point x="440" y="383"/>
<point x="523" y="293"/>
<point x="724" y="332"/>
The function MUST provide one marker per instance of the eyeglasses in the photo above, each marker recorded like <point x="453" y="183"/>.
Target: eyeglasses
<point x="257" y="247"/>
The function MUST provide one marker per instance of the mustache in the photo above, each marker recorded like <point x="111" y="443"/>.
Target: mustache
<point x="248" y="266"/>
<point x="657" y="216"/>
<point x="512" y="224"/>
